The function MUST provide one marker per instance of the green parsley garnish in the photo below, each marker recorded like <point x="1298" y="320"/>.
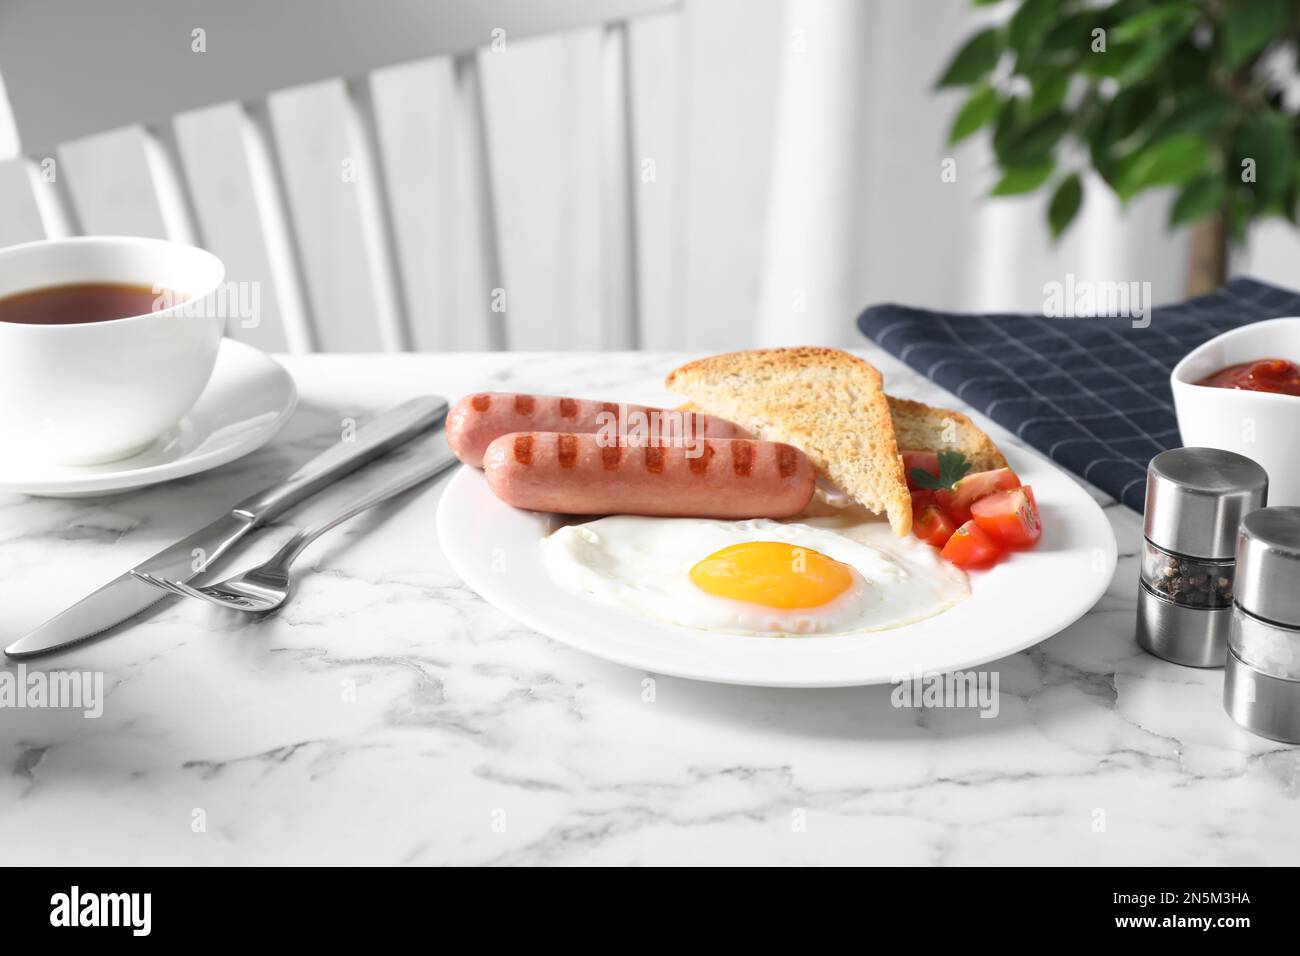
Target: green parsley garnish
<point x="952" y="468"/>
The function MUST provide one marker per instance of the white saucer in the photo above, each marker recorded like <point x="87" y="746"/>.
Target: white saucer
<point x="247" y="400"/>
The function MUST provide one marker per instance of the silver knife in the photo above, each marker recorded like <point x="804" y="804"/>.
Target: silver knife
<point x="126" y="595"/>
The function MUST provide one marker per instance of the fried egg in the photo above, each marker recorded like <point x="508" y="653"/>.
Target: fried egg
<point x="824" y="575"/>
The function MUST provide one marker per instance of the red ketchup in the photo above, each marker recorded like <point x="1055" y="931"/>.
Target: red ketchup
<point x="1262" y="375"/>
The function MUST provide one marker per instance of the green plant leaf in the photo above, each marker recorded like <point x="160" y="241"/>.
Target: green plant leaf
<point x="1200" y="198"/>
<point x="1073" y="33"/>
<point x="1114" y="61"/>
<point x="981" y="107"/>
<point x="1023" y="179"/>
<point x="1250" y="25"/>
<point x="1169" y="162"/>
<point x="1036" y="140"/>
<point x="1017" y="142"/>
<point x="1187" y="68"/>
<point x="974" y="60"/>
<point x="1150" y="21"/>
<point x="1101" y="151"/>
<point x="1238" y="217"/>
<point x="1005" y="130"/>
<point x="1048" y="94"/>
<point x="1153" y="51"/>
<point x="1268" y="140"/>
<point x="1065" y="204"/>
<point x="1126" y="112"/>
<point x="1201" y="112"/>
<point x="1031" y="23"/>
<point x="1088" y="112"/>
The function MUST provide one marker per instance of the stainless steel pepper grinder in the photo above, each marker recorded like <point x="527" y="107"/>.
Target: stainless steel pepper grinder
<point x="1196" y="498"/>
<point x="1261" y="682"/>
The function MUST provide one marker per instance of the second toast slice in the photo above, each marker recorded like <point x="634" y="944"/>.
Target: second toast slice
<point x="921" y="427"/>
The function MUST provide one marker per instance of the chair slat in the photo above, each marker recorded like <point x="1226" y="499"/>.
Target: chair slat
<point x="618" y="196"/>
<point x="479" y="279"/>
<point x="54" y="203"/>
<point x="377" y="227"/>
<point x="171" y="183"/>
<point x="266" y="172"/>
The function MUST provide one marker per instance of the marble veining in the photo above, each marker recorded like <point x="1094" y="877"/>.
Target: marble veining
<point x="388" y="715"/>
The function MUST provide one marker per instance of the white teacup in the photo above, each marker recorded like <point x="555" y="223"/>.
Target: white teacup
<point x="98" y="391"/>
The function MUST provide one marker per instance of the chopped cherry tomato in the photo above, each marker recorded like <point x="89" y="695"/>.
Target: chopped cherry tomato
<point x="925" y="460"/>
<point x="970" y="547"/>
<point x="972" y="488"/>
<point x="1010" y="516"/>
<point x="933" y="526"/>
<point x="922" y="498"/>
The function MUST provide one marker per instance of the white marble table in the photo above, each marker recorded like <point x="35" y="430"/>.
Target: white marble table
<point x="390" y="716"/>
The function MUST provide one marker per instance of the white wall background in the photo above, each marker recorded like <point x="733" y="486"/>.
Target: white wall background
<point x="796" y="147"/>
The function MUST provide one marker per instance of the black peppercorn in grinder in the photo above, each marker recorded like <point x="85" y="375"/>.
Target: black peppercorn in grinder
<point x="1196" y="498"/>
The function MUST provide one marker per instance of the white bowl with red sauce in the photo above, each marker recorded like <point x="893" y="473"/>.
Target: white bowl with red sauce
<point x="1234" y="413"/>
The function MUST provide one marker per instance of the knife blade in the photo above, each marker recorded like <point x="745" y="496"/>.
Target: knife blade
<point x="126" y="595"/>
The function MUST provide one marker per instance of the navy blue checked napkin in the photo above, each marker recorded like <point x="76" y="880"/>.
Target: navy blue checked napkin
<point x="1090" y="393"/>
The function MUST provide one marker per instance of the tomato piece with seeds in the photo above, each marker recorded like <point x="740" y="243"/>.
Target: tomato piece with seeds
<point x="933" y="526"/>
<point x="972" y="488"/>
<point x="927" y="461"/>
<point x="1010" y="516"/>
<point x="971" y="547"/>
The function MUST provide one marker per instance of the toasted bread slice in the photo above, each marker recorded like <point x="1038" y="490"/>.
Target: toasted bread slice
<point x="921" y="427"/>
<point x="824" y="401"/>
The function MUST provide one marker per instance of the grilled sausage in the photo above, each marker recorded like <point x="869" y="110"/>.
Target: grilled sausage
<point x="476" y="420"/>
<point x="714" y="478"/>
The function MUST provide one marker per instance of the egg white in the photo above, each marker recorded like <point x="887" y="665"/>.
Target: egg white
<point x="642" y="565"/>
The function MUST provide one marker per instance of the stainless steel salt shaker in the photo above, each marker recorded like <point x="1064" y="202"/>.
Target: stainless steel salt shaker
<point x="1196" y="498"/>
<point x="1261" y="685"/>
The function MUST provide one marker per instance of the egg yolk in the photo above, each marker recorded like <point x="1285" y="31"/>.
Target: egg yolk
<point x="773" y="574"/>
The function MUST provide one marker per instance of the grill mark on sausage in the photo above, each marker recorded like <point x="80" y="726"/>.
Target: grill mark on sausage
<point x="566" y="449"/>
<point x="481" y="403"/>
<point x="787" y="461"/>
<point x="699" y="465"/>
<point x="654" y="459"/>
<point x="742" y="457"/>
<point x="524" y="449"/>
<point x="610" y="456"/>
<point x="568" y="408"/>
<point x="524" y="404"/>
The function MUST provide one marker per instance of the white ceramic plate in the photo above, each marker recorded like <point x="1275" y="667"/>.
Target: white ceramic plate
<point x="1021" y="601"/>
<point x="248" y="398"/>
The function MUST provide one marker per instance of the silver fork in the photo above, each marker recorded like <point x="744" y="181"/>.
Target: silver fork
<point x="266" y="587"/>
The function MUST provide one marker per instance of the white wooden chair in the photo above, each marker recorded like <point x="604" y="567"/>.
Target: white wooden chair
<point x="73" y="68"/>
